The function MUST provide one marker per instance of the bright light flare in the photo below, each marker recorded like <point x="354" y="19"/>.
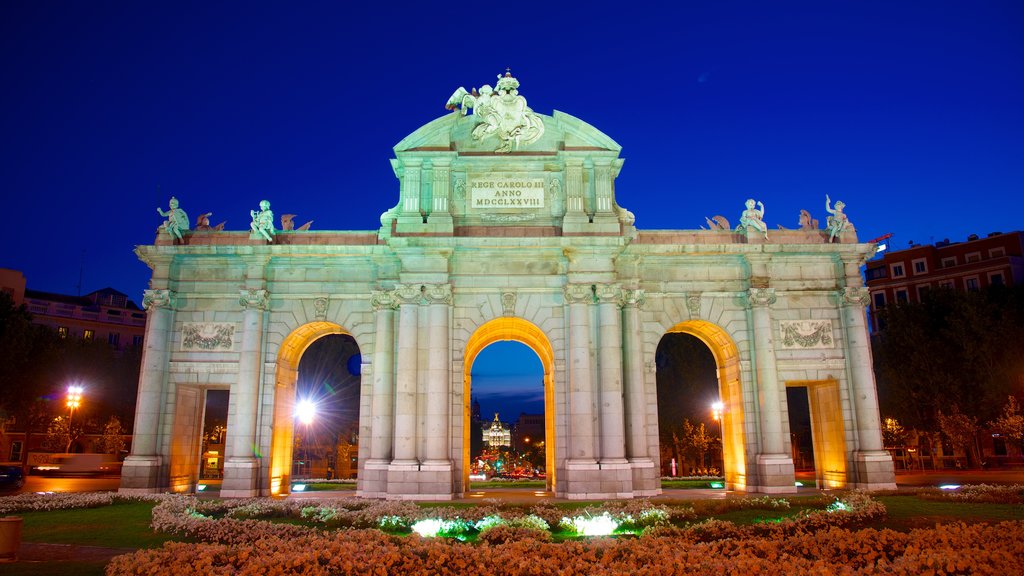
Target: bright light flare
<point x="716" y="410"/>
<point x="75" y="396"/>
<point x="949" y="486"/>
<point x="305" y="411"/>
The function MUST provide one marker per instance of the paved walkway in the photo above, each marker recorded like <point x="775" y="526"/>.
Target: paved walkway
<point x="38" y="552"/>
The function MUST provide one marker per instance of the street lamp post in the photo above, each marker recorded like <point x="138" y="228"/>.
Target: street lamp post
<point x="716" y="412"/>
<point x="74" y="401"/>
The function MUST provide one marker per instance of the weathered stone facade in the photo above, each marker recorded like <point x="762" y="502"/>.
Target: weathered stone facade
<point x="488" y="245"/>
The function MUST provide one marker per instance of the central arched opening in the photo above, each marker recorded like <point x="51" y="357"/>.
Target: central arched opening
<point x="513" y="363"/>
<point x="700" y="403"/>
<point x="316" y="407"/>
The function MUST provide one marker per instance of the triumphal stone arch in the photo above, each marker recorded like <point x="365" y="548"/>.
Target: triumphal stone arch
<point x="507" y="227"/>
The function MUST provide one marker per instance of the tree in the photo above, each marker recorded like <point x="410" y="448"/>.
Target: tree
<point x="962" y="431"/>
<point x="893" y="433"/>
<point x="58" y="435"/>
<point x="952" y="349"/>
<point x="112" y="441"/>
<point x="1011" y="421"/>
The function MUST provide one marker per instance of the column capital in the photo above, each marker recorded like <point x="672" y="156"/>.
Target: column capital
<point x="856" y="296"/>
<point x="761" y="296"/>
<point x="633" y="298"/>
<point x="407" y="294"/>
<point x="254" y="299"/>
<point x="383" y="300"/>
<point x="609" y="294"/>
<point x="438" y="293"/>
<point x="167" y="299"/>
<point x="578" y="293"/>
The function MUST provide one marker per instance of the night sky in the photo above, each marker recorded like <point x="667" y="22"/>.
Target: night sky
<point x="912" y="113"/>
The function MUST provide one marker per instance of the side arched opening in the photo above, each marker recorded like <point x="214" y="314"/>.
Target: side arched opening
<point x="730" y="393"/>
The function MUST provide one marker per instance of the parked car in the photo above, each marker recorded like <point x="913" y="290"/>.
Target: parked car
<point x="80" y="465"/>
<point x="11" y="478"/>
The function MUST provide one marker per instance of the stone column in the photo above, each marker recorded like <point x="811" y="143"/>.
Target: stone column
<point x="613" y="428"/>
<point x="874" y="464"/>
<point x="141" y="471"/>
<point x="408" y="298"/>
<point x="775" y="467"/>
<point x="603" y="186"/>
<point x="581" y="385"/>
<point x="439" y="297"/>
<point x="382" y="402"/>
<point x="241" y="468"/>
<point x="411" y="187"/>
<point x="646" y="480"/>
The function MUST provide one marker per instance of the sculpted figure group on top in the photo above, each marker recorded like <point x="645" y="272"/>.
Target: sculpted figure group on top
<point x="752" y="218"/>
<point x="261" y="227"/>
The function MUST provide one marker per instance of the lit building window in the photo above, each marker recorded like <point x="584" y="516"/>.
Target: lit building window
<point x="62" y="331"/>
<point x="88" y="334"/>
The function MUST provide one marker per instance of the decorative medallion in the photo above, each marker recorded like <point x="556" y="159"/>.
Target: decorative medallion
<point x="320" y="308"/>
<point x="207" y="336"/>
<point x="806" y="334"/>
<point x="508" y="303"/>
<point x="693" y="305"/>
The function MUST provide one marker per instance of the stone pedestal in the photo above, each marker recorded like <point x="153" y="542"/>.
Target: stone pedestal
<point x="143" y="475"/>
<point x="241" y="478"/>
<point x="646" y="480"/>
<point x="419" y="481"/>
<point x="373" y="479"/>
<point x="873" y="470"/>
<point x="775" y="474"/>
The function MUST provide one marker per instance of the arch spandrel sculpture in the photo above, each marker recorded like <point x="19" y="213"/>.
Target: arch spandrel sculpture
<point x="570" y="271"/>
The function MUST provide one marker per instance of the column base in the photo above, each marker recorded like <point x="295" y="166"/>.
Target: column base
<point x="143" y="475"/>
<point x="589" y="480"/>
<point x="775" y="474"/>
<point x="241" y="478"/>
<point x="646" y="480"/>
<point x="413" y="481"/>
<point x="373" y="479"/>
<point x="873" y="470"/>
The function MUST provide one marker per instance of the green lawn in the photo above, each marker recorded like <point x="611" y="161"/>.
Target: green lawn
<point x="122" y="525"/>
<point x="909" y="512"/>
<point x="690" y="484"/>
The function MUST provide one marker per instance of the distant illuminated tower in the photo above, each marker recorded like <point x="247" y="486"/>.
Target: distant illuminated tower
<point x="497" y="434"/>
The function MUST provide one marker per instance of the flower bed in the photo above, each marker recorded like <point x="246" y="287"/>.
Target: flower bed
<point x="952" y="549"/>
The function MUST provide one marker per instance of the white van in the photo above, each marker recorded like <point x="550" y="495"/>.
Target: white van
<point x="80" y="465"/>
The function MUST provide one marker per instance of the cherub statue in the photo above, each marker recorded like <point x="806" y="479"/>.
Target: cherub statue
<point x="177" y="219"/>
<point x="753" y="218"/>
<point x="837" y="222"/>
<point x="262" y="222"/>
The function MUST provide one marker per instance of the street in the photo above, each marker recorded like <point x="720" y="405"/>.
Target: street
<point x="71" y="484"/>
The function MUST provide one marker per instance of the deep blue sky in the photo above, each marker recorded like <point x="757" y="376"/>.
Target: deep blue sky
<point x="910" y="112"/>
